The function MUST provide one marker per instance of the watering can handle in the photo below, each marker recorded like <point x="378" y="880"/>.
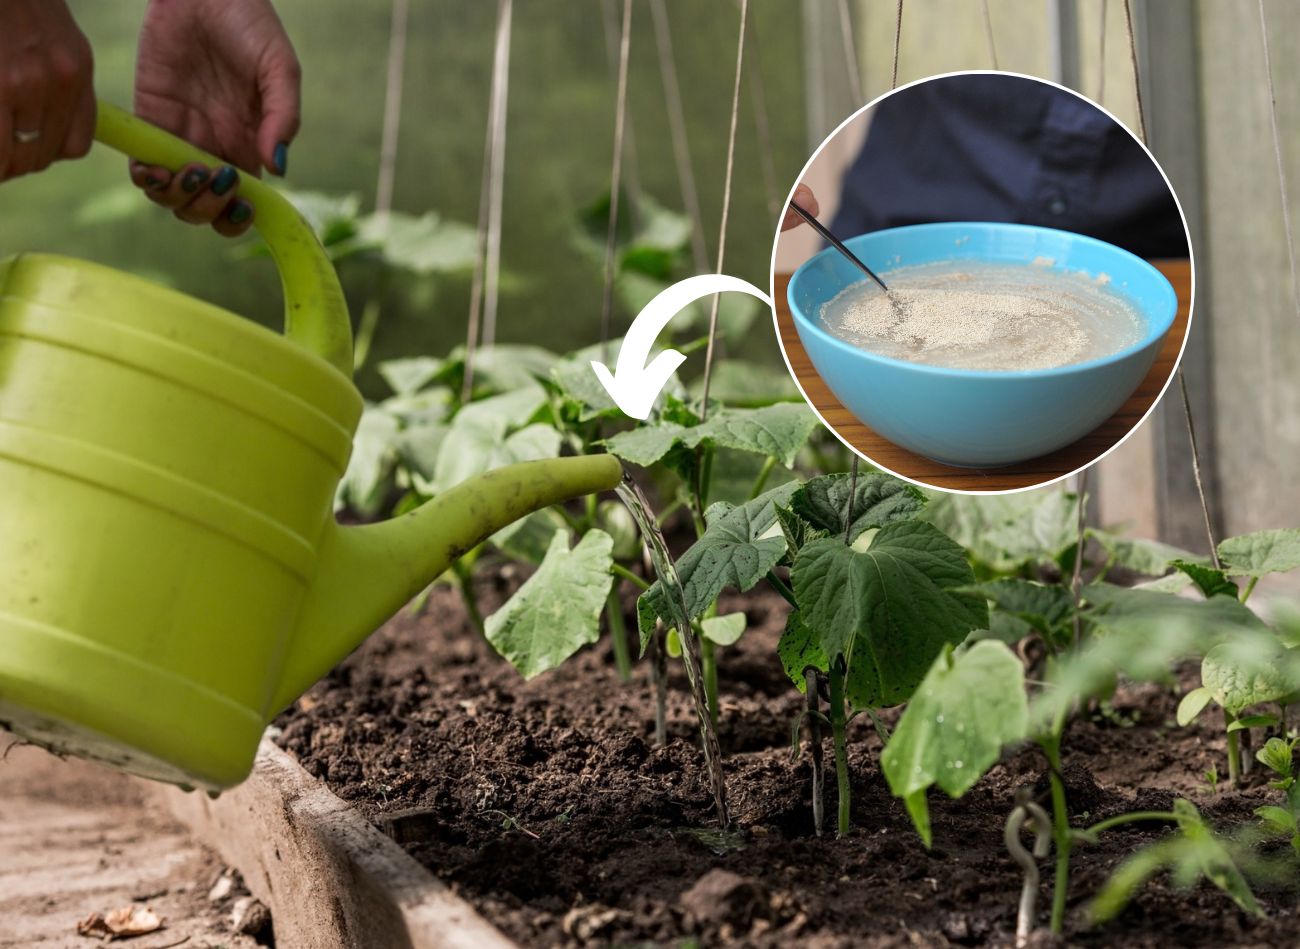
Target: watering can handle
<point x="315" y="312"/>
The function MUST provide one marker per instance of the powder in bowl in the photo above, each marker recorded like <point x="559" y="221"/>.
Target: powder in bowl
<point x="966" y="314"/>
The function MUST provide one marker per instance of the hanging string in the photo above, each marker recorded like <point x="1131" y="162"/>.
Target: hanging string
<point x="851" y="54"/>
<point x="388" y="138"/>
<point x="1196" y="471"/>
<point x="898" y="37"/>
<point x="1182" y="382"/>
<point x="1101" y="55"/>
<point x="500" y="96"/>
<point x="631" y="173"/>
<point x="1277" y="157"/>
<point x="677" y="133"/>
<point x="611" y="238"/>
<point x="762" y="127"/>
<point x="1133" y="61"/>
<point x="726" y="204"/>
<point x="484" y="206"/>
<point x="988" y="34"/>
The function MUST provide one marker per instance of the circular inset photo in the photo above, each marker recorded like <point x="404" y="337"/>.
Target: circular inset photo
<point x="983" y="282"/>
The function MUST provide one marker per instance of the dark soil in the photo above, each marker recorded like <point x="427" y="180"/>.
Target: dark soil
<point x="547" y="805"/>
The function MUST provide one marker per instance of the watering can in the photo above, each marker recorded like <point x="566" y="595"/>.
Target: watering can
<point x="171" y="574"/>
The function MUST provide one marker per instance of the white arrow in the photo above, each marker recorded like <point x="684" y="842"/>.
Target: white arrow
<point x="634" y="386"/>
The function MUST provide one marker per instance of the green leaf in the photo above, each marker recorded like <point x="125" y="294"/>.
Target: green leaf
<point x="1278" y="819"/>
<point x="1209" y="581"/>
<point x="1129" y="611"/>
<point x="798" y="649"/>
<point x="1043" y="607"/>
<point x="877" y="500"/>
<point x="646" y="444"/>
<point x="576" y="381"/>
<point x="779" y="430"/>
<point x="530" y="538"/>
<point x="1193" y="704"/>
<point x="1149" y="557"/>
<point x="374" y="449"/>
<point x="1005" y="532"/>
<point x="1252" y="721"/>
<point x="1253" y="555"/>
<point x="557" y="610"/>
<point x="405" y="376"/>
<point x="1239" y="675"/>
<point x="1276" y="755"/>
<point x="477" y="440"/>
<point x="889" y="610"/>
<point x="420" y="446"/>
<point x="954" y="727"/>
<point x="734" y="551"/>
<point x="724" y="630"/>
<point x="427" y="244"/>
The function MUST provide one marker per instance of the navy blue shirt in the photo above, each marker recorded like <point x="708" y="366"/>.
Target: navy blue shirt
<point x="1003" y="148"/>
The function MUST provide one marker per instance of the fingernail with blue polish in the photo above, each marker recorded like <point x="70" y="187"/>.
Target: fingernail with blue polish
<point x="281" y="158"/>
<point x="240" y="212"/>
<point x="194" y="180"/>
<point x="225" y="179"/>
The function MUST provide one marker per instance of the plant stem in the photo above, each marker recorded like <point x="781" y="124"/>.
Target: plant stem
<point x="618" y="635"/>
<point x="763" y="474"/>
<point x="1250" y="588"/>
<point x="1234" y="750"/>
<point x="465" y="581"/>
<point x="1131" y="818"/>
<point x="709" y="669"/>
<point x="659" y="673"/>
<point x="813" y="704"/>
<point x="624" y="573"/>
<point x="1060" y="831"/>
<point x="839" y="727"/>
<point x="780" y="587"/>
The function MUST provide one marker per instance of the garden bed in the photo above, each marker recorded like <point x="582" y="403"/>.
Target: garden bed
<point x="547" y="806"/>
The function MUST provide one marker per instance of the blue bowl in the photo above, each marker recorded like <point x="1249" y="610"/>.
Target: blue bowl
<point x="979" y="418"/>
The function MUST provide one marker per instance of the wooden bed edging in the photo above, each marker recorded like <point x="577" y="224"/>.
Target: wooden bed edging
<point x="331" y="879"/>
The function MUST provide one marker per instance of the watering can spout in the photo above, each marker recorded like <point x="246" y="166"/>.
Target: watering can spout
<point x="365" y="574"/>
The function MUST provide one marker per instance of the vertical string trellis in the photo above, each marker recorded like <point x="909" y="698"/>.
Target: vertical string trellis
<point x="489" y="209"/>
<point x="726" y="205"/>
<point x="1101" y="55"/>
<point x="615" y="178"/>
<point x="388" y="136"/>
<point x="762" y="127"/>
<point x="677" y="133"/>
<point x="851" y="63"/>
<point x="613" y="36"/>
<point x="1277" y="158"/>
<point x="1182" y="381"/>
<point x="988" y="34"/>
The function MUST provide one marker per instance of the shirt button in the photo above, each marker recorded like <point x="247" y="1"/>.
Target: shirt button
<point x="1056" y="204"/>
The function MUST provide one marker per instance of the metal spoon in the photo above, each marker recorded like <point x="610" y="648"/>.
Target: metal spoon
<point x="837" y="244"/>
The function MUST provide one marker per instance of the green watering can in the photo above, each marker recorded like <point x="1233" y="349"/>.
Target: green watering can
<point x="171" y="575"/>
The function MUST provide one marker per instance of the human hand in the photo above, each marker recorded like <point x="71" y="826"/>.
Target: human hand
<point x="804" y="197"/>
<point x="223" y="75"/>
<point x="47" y="94"/>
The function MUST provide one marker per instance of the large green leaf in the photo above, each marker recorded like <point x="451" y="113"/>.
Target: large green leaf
<point x="477" y="440"/>
<point x="889" y="610"/>
<point x="1253" y="555"/>
<point x="374" y="450"/>
<point x="1125" y="610"/>
<point x="405" y="376"/>
<point x="1241" y="675"/>
<point x="1045" y="608"/>
<point x="1149" y="557"/>
<point x="877" y="500"/>
<point x="777" y="430"/>
<point x="798" y="649"/>
<point x="1004" y="532"/>
<point x="424" y="245"/>
<point x="954" y="727"/>
<point x="739" y="546"/>
<point x="557" y="610"/>
<point x="1209" y="581"/>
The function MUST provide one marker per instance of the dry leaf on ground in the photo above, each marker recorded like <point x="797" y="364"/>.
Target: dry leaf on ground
<point x="121" y="923"/>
